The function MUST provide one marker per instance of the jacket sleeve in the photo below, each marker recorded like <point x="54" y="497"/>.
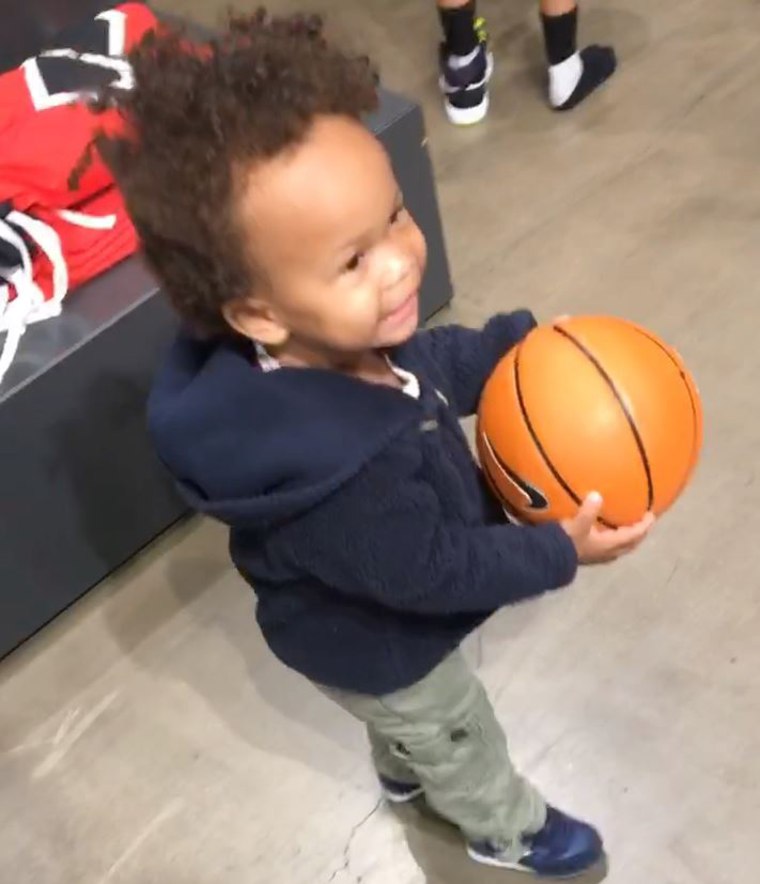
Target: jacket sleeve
<point x="466" y="357"/>
<point x="385" y="538"/>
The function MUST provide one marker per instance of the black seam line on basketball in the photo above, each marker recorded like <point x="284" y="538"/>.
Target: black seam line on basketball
<point x="539" y="447"/>
<point x="694" y="409"/>
<point x="681" y="370"/>
<point x="628" y="416"/>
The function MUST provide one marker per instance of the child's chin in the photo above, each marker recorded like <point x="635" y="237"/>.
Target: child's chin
<point x="397" y="338"/>
<point x="399" y="335"/>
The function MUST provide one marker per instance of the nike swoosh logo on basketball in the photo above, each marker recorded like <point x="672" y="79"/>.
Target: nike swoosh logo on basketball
<point x="534" y="499"/>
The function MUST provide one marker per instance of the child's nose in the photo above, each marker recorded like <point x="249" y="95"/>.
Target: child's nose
<point x="396" y="269"/>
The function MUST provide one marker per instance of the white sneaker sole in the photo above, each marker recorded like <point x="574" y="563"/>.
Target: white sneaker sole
<point x="516" y="867"/>
<point x="395" y="798"/>
<point x="467" y="116"/>
<point x="497" y="863"/>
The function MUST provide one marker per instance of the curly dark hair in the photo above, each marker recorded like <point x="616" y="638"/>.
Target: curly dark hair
<point x="198" y="116"/>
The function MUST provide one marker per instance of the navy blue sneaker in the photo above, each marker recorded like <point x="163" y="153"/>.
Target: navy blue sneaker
<point x="399" y="793"/>
<point x="464" y="84"/>
<point x="564" y="848"/>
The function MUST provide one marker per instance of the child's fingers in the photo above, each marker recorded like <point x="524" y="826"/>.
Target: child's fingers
<point x="586" y="517"/>
<point x="628" y="536"/>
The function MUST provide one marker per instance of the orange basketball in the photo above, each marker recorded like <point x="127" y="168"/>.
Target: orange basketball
<point x="590" y="403"/>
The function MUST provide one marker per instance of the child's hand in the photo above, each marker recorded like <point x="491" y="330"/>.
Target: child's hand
<point x="594" y="544"/>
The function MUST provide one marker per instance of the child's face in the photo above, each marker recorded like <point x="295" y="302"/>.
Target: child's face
<point x="340" y="258"/>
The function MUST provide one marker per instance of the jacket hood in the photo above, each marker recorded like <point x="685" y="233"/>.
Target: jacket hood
<point x="250" y="447"/>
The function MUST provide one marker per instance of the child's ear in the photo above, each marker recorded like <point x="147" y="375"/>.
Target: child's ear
<point x="255" y="319"/>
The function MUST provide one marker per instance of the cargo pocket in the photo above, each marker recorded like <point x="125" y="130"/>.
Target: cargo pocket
<point x="462" y="756"/>
<point x="419" y="750"/>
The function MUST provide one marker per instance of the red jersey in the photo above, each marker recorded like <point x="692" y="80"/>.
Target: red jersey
<point x="53" y="238"/>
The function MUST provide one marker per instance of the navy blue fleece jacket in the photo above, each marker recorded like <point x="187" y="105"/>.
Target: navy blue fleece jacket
<point x="356" y="512"/>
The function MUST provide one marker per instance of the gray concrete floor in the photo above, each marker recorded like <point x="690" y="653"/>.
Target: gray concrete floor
<point x="149" y="736"/>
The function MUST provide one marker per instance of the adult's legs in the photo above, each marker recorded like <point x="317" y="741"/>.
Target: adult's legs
<point x="466" y="63"/>
<point x="573" y="74"/>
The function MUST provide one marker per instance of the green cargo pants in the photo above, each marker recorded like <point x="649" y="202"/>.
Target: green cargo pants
<point x="442" y="733"/>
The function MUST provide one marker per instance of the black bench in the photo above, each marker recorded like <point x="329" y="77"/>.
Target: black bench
<point x="80" y="488"/>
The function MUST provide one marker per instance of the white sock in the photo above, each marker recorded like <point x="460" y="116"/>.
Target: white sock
<point x="563" y="78"/>
<point x="461" y="61"/>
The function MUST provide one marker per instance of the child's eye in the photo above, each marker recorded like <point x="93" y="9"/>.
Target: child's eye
<point x="396" y="216"/>
<point x="354" y="262"/>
